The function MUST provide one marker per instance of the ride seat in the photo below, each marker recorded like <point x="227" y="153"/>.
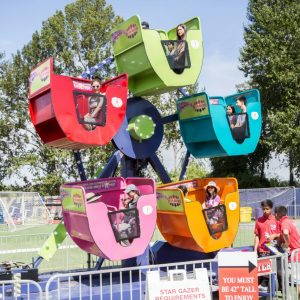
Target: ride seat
<point x="177" y="61"/>
<point x="205" y="129"/>
<point x="139" y="53"/>
<point x="239" y="134"/>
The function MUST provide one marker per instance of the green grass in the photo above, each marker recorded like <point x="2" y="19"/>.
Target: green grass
<point x="245" y="235"/>
<point x="73" y="258"/>
<point x="23" y="230"/>
<point x="35" y="237"/>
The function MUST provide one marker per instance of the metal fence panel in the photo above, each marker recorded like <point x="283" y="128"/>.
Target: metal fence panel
<point x="130" y="283"/>
<point x="20" y="289"/>
<point x="294" y="274"/>
<point x="121" y="283"/>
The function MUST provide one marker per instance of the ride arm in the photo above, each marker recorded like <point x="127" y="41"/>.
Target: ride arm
<point x="52" y="244"/>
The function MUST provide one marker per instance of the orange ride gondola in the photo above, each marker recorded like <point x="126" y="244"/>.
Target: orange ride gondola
<point x="59" y="105"/>
<point x="186" y="225"/>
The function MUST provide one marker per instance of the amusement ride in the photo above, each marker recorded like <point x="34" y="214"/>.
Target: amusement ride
<point x="93" y="209"/>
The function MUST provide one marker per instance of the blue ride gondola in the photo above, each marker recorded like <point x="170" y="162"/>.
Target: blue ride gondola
<point x="205" y="127"/>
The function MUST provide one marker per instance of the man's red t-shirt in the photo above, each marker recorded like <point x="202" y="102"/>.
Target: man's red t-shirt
<point x="264" y="227"/>
<point x="294" y="235"/>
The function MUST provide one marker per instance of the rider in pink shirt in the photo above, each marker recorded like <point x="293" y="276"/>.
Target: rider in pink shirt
<point x="212" y="199"/>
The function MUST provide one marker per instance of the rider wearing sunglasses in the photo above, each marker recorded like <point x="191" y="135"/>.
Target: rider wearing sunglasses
<point x="95" y="104"/>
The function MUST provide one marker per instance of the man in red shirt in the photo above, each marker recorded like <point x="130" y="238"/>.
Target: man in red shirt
<point x="290" y="240"/>
<point x="265" y="226"/>
<point x="289" y="234"/>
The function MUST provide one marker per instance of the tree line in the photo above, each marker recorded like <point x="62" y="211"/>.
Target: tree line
<point x="79" y="37"/>
<point x="270" y="60"/>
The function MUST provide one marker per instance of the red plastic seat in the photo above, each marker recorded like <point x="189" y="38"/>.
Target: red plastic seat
<point x="52" y="106"/>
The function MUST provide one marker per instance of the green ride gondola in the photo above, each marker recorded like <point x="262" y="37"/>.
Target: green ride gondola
<point x="142" y="54"/>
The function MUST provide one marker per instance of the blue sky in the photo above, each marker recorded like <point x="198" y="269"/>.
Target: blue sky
<point x="222" y="28"/>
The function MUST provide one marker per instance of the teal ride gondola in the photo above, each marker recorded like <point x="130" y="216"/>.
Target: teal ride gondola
<point x="205" y="126"/>
<point x="143" y="55"/>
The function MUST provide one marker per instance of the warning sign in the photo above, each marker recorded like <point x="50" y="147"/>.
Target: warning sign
<point x="177" y="286"/>
<point x="265" y="266"/>
<point x="238" y="276"/>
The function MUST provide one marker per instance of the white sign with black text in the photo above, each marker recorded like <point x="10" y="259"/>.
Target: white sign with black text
<point x="178" y="285"/>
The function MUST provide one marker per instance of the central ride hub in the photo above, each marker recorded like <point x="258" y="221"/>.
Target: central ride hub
<point x="142" y="130"/>
<point x="141" y="127"/>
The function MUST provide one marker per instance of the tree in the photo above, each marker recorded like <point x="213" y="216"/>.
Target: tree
<point x="77" y="38"/>
<point x="271" y="59"/>
<point x="244" y="168"/>
<point x="286" y="134"/>
<point x="194" y="170"/>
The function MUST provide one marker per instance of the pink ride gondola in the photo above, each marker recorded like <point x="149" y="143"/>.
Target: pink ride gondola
<point x="98" y="223"/>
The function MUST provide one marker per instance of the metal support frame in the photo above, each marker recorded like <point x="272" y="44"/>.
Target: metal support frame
<point x="159" y="168"/>
<point x="128" y="167"/>
<point x="91" y="71"/>
<point x="37" y="262"/>
<point x="112" y="164"/>
<point x="79" y="164"/>
<point x="99" y="263"/>
<point x="185" y="165"/>
<point x="83" y="177"/>
<point x="183" y="92"/>
<point x="169" y="119"/>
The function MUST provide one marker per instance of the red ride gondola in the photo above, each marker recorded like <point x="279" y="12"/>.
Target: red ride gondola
<point x="59" y="104"/>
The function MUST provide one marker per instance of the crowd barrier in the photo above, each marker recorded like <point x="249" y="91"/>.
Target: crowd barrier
<point x="294" y="271"/>
<point x="20" y="289"/>
<point x="130" y="283"/>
